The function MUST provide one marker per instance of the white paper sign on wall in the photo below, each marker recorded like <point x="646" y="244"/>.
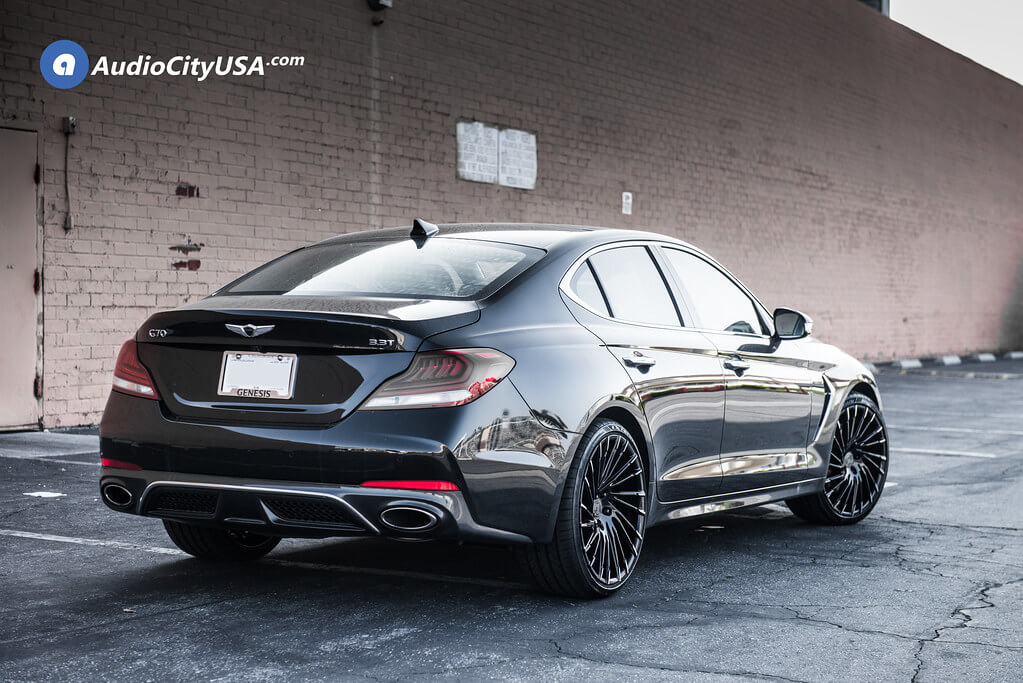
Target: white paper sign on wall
<point x="487" y="154"/>
<point x="517" y="154"/>
<point x="477" y="151"/>
<point x="627" y="203"/>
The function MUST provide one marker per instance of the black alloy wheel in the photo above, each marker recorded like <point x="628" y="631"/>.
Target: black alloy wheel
<point x="857" y="467"/>
<point x="602" y="519"/>
<point x="612" y="510"/>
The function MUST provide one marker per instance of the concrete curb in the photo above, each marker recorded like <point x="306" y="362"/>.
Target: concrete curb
<point x="964" y="374"/>
<point x="946" y="366"/>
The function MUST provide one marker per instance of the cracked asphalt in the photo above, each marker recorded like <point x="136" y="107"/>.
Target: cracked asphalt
<point x="929" y="588"/>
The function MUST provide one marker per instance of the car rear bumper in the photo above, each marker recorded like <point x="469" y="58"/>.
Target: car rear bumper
<point x="507" y="467"/>
<point x="303" y="510"/>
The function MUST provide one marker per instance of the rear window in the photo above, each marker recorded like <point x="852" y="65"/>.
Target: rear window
<point x="439" y="269"/>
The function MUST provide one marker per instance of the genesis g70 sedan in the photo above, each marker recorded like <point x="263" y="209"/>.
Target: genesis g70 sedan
<point x="559" y="389"/>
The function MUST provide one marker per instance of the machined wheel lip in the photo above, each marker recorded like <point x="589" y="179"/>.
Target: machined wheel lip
<point x="612" y="510"/>
<point x="857" y="463"/>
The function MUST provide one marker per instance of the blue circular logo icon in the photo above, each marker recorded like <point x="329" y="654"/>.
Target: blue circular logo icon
<point x="64" y="64"/>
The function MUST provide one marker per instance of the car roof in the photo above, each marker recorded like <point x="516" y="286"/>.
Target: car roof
<point x="539" y="235"/>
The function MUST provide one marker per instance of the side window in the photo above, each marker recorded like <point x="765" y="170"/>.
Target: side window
<point x="586" y="288"/>
<point x="634" y="287"/>
<point x="716" y="301"/>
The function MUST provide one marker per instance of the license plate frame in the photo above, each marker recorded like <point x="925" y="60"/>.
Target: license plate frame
<point x="240" y="386"/>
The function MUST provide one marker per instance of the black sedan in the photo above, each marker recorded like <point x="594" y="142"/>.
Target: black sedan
<point x="555" y="388"/>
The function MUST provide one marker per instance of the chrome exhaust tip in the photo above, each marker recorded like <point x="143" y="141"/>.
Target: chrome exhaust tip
<point x="117" y="495"/>
<point x="408" y="518"/>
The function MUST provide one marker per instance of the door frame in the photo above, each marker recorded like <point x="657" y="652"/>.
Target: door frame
<point x="37" y="129"/>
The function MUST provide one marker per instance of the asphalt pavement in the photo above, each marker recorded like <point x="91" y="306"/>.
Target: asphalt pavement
<point x="928" y="588"/>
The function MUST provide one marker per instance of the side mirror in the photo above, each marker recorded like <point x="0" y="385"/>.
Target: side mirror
<point x="790" y="324"/>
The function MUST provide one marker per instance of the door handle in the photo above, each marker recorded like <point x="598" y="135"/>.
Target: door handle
<point x="737" y="365"/>
<point x="638" y="360"/>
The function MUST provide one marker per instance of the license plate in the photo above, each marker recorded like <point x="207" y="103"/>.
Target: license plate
<point x="257" y="375"/>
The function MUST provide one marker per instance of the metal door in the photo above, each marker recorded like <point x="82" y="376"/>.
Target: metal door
<point x="767" y="399"/>
<point x="18" y="283"/>
<point x="767" y="411"/>
<point x="678" y="383"/>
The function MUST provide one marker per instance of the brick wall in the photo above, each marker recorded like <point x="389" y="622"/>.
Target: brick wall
<point x="836" y="161"/>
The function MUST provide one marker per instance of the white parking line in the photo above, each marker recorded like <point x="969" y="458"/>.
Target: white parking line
<point x="120" y="545"/>
<point x="962" y="430"/>
<point x="343" y="569"/>
<point x="931" y="451"/>
<point x="40" y="458"/>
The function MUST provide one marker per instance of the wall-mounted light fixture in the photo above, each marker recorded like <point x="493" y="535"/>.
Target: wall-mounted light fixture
<point x="378" y="6"/>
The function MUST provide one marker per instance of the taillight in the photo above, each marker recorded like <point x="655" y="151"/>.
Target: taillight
<point x="119" y="464"/>
<point x="452" y="377"/>
<point x="412" y="485"/>
<point x="130" y="377"/>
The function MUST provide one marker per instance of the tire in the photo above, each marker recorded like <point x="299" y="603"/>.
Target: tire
<point x="219" y="545"/>
<point x="857" y="467"/>
<point x="607" y="531"/>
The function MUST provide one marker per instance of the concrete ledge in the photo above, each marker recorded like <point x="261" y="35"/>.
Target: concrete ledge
<point x="948" y="360"/>
<point x="907" y="364"/>
<point x="984" y="358"/>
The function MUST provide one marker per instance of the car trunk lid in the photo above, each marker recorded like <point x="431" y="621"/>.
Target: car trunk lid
<point x="343" y="349"/>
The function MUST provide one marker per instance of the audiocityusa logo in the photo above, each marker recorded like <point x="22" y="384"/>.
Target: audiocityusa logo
<point x="65" y="64"/>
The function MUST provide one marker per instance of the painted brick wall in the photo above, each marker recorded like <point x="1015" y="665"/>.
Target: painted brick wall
<point x="837" y="162"/>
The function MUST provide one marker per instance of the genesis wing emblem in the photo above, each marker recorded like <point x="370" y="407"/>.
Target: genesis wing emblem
<point x="249" y="330"/>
